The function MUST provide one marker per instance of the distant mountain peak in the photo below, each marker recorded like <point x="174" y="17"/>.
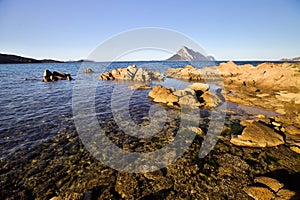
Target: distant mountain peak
<point x="186" y="54"/>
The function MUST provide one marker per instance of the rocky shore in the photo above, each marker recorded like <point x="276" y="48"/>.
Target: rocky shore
<point x="256" y="156"/>
<point x="268" y="86"/>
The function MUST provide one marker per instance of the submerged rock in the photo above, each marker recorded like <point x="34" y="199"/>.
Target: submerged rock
<point x="259" y="193"/>
<point x="273" y="184"/>
<point x="257" y="134"/>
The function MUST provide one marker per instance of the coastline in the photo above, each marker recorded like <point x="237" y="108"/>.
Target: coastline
<point x="229" y="170"/>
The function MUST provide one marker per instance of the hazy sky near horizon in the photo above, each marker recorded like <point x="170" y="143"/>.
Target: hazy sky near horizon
<point x="226" y="29"/>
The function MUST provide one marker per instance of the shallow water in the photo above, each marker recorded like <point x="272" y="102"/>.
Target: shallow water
<point x="38" y="136"/>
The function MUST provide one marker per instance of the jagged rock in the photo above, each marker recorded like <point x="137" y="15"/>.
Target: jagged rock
<point x="257" y="135"/>
<point x="273" y="184"/>
<point x="259" y="193"/>
<point x="162" y="95"/>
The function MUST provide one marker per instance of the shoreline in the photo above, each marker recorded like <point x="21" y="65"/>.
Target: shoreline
<point x="61" y="167"/>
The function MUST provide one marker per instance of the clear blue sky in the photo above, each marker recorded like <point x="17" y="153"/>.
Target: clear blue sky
<point x="226" y="29"/>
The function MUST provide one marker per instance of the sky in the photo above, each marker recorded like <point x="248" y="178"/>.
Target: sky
<point x="226" y="29"/>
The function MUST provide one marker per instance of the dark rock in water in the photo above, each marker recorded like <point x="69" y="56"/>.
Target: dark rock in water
<point x="47" y="73"/>
<point x="54" y="76"/>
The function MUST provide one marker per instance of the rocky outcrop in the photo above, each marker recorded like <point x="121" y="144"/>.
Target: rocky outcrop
<point x="186" y="96"/>
<point x="189" y="73"/>
<point x="256" y="134"/>
<point x="131" y="73"/>
<point x="54" y="76"/>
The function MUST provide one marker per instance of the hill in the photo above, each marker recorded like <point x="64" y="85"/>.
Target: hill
<point x="186" y="54"/>
<point x="14" y="59"/>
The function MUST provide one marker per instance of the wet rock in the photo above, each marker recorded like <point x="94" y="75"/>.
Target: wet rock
<point x="273" y="184"/>
<point x="257" y="135"/>
<point x="259" y="193"/>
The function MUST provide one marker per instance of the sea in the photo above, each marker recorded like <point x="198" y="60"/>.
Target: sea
<point x="36" y="114"/>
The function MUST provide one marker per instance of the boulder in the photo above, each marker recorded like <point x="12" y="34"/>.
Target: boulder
<point x="200" y="87"/>
<point x="162" y="95"/>
<point x="257" y="135"/>
<point x="184" y="92"/>
<point x="210" y="100"/>
<point x="54" y="76"/>
<point x="189" y="100"/>
<point x="59" y="75"/>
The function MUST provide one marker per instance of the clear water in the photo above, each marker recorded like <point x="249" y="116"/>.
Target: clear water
<point x="32" y="111"/>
